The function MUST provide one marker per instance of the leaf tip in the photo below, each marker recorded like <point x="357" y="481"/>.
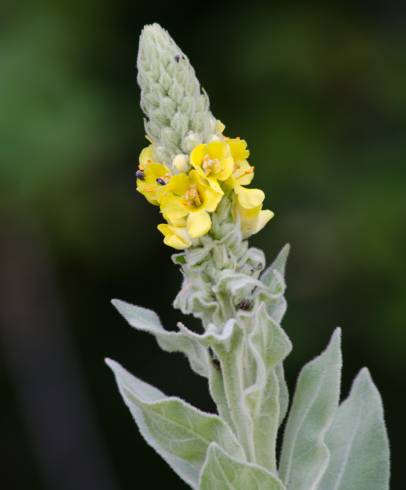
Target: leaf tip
<point x="364" y="378"/>
<point x="110" y="363"/>
<point x="365" y="373"/>
<point x="335" y="341"/>
<point x="336" y="337"/>
<point x="286" y="249"/>
<point x="117" y="303"/>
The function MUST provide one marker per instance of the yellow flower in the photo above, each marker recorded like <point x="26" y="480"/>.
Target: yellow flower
<point x="252" y="220"/>
<point x="243" y="172"/>
<point x="152" y="176"/>
<point x="249" y="198"/>
<point x="238" y="149"/>
<point x="190" y="197"/>
<point x="175" y="236"/>
<point x="214" y="160"/>
<point x="248" y="206"/>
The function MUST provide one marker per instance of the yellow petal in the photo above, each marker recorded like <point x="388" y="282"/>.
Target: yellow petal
<point x="227" y="165"/>
<point x="172" y="207"/>
<point x="214" y="184"/>
<point x="218" y="149"/>
<point x="243" y="173"/>
<point x="174" y="236"/>
<point x="210" y="190"/>
<point x="198" y="223"/>
<point x="179" y="184"/>
<point x="175" y="242"/>
<point x="249" y="198"/>
<point x="149" y="190"/>
<point x="154" y="170"/>
<point x="246" y="179"/>
<point x="179" y="222"/>
<point x="238" y="149"/>
<point x="212" y="199"/>
<point x="253" y="221"/>
<point x="197" y="155"/>
<point x="146" y="155"/>
<point x="248" y="214"/>
<point x="263" y="218"/>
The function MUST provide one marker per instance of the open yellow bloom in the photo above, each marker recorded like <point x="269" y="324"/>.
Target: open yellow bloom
<point x="214" y="160"/>
<point x="243" y="172"/>
<point x="175" y="236"/>
<point x="190" y="197"/>
<point x="152" y="176"/>
<point x="252" y="220"/>
<point x="248" y="206"/>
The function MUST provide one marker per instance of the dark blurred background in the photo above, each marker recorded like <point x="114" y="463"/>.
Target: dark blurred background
<point x="319" y="92"/>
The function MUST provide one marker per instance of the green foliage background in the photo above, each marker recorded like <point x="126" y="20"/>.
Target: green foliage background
<point x="319" y="93"/>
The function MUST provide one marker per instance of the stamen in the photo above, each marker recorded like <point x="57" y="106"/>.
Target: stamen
<point x="192" y="197"/>
<point x="210" y="165"/>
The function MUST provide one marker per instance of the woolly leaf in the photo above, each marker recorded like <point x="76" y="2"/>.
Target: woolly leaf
<point x="269" y="345"/>
<point x="305" y="454"/>
<point x="221" y="472"/>
<point x="274" y="279"/>
<point x="148" y="321"/>
<point x="279" y="265"/>
<point x="180" y="433"/>
<point x="283" y="392"/>
<point x="358" y="441"/>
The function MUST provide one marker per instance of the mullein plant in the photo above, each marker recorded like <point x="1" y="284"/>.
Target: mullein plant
<point x="200" y="179"/>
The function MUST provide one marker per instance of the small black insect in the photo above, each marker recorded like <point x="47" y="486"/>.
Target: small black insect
<point x="161" y="181"/>
<point x="214" y="360"/>
<point x="140" y="175"/>
<point x="245" y="304"/>
<point x="216" y="363"/>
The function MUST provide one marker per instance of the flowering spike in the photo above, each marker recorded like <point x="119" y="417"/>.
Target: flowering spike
<point x="190" y="166"/>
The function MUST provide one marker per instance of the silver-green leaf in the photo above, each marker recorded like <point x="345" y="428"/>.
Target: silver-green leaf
<point x="268" y="345"/>
<point x="179" y="432"/>
<point x="305" y="454"/>
<point x="148" y="321"/>
<point x="222" y="472"/>
<point x="283" y="392"/>
<point x="358" y="441"/>
<point x="274" y="278"/>
<point x="278" y="265"/>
